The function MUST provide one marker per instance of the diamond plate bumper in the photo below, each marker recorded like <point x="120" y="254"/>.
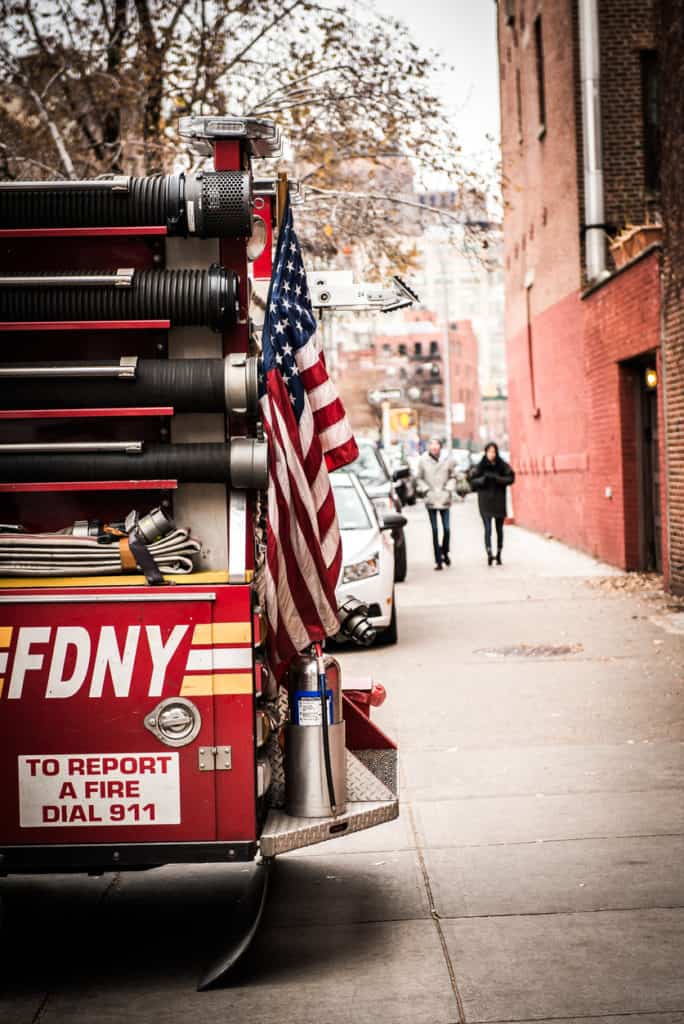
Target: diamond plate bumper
<point x="369" y="802"/>
<point x="283" y="833"/>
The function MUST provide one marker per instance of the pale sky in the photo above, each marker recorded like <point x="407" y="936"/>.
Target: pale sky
<point x="464" y="33"/>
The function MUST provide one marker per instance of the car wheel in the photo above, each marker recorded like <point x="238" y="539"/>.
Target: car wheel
<point x="390" y="635"/>
<point x="400" y="558"/>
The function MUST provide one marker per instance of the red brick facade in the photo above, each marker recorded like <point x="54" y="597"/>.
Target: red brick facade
<point x="578" y="407"/>
<point x="621" y="322"/>
<point x="671" y="54"/>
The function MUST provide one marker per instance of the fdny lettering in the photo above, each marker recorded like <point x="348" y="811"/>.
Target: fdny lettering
<point x="73" y="650"/>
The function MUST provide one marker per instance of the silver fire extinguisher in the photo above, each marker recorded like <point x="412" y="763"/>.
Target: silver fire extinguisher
<point x="315" y="768"/>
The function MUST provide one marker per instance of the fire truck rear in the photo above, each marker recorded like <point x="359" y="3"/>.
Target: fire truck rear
<point x="139" y="722"/>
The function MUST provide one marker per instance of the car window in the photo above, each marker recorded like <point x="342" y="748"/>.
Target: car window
<point x="368" y="467"/>
<point x="351" y="513"/>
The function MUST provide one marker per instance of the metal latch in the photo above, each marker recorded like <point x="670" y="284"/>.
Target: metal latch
<point x="215" y="759"/>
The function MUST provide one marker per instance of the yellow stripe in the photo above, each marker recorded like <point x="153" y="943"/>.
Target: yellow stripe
<point x="2" y="683"/>
<point x="50" y="582"/>
<point x="218" y="684"/>
<point x="233" y="682"/>
<point x="222" y="633"/>
<point x="5" y="636"/>
<point x="202" y="633"/>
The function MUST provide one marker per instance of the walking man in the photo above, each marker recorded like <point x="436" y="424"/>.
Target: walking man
<point x="490" y="478"/>
<point x="435" y="482"/>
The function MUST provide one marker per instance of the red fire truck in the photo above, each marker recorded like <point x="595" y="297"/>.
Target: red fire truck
<point x="139" y="722"/>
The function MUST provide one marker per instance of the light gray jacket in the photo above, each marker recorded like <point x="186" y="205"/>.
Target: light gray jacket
<point x="435" y="480"/>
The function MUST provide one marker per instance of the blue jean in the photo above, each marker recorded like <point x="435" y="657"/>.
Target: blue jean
<point x="499" y="522"/>
<point x="441" y="550"/>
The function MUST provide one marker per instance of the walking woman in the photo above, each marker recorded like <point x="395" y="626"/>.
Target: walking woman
<point x="490" y="478"/>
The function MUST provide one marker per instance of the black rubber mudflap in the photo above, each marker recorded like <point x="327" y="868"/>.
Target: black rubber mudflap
<point x="250" y="911"/>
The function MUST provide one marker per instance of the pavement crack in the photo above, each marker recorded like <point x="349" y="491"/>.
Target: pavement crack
<point x="37" y="1017"/>
<point x="436" y="918"/>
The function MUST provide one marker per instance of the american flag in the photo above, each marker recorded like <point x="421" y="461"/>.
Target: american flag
<point x="308" y="434"/>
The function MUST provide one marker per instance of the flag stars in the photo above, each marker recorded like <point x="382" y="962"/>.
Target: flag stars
<point x="286" y="286"/>
<point x="280" y="326"/>
<point x="290" y="265"/>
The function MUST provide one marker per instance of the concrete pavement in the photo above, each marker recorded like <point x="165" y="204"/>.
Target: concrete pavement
<point x="537" y="869"/>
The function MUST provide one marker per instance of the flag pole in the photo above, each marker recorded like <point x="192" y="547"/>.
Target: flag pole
<point x="283" y="190"/>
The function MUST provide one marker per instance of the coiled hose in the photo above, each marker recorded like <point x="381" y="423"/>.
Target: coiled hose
<point x="200" y="297"/>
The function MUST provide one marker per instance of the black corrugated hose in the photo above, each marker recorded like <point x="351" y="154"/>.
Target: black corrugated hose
<point x="154" y="200"/>
<point x="185" y="297"/>
<point x="189" y="385"/>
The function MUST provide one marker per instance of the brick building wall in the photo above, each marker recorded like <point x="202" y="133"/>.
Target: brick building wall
<point x="626" y="30"/>
<point x="673" y="375"/>
<point x="621" y="322"/>
<point x="671" y="53"/>
<point x="540" y="183"/>
<point x="571" y="394"/>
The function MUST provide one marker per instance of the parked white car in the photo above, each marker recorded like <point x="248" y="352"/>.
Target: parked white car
<point x="367" y="553"/>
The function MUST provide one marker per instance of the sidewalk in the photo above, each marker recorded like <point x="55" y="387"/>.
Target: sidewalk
<point x="547" y="790"/>
<point x="536" y="872"/>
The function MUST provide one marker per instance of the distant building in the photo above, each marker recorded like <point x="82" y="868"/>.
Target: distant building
<point x="465" y="286"/>
<point x="494" y="420"/>
<point x="409" y="355"/>
<point x="581" y="150"/>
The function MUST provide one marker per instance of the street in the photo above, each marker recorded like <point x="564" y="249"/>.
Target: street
<point x="536" y="871"/>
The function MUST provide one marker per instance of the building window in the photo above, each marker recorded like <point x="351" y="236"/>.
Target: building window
<point x="418" y="348"/>
<point x="434" y="348"/>
<point x="539" y="58"/>
<point x="650" y="100"/>
<point x="403" y="350"/>
<point x="518" y="102"/>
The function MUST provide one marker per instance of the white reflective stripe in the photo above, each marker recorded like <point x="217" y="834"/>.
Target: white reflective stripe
<point x="210" y="658"/>
<point x="3" y="661"/>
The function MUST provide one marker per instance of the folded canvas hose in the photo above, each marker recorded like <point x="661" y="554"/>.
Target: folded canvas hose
<point x="205" y="298"/>
<point x="58" y="554"/>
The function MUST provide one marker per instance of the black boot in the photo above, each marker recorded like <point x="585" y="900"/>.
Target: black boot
<point x="490" y="557"/>
<point x="498" y="557"/>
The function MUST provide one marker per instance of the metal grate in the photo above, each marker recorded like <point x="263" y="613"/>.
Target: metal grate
<point x="226" y="204"/>
<point x="531" y="651"/>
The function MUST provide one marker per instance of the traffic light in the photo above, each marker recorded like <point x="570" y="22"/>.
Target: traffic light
<point x="402" y="420"/>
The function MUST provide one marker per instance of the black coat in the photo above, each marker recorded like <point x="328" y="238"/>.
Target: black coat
<point x="490" y="480"/>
